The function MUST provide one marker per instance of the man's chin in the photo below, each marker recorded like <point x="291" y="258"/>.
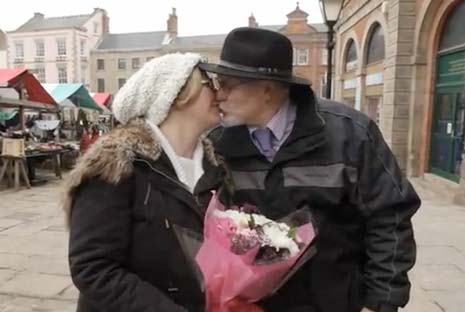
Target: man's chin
<point x="231" y="121"/>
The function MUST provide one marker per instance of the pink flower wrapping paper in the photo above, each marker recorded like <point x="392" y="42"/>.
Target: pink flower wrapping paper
<point x="228" y="275"/>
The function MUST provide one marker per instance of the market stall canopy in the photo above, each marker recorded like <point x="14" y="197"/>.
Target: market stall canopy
<point x="76" y="93"/>
<point x="67" y="103"/>
<point x="102" y="100"/>
<point x="17" y="77"/>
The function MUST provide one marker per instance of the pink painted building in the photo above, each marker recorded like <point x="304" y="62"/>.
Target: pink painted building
<point x="57" y="49"/>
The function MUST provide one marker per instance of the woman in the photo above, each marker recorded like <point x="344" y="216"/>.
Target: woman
<point x="134" y="184"/>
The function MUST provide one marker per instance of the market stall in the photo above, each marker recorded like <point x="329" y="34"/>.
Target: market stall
<point x="78" y="107"/>
<point x="103" y="99"/>
<point x="30" y="118"/>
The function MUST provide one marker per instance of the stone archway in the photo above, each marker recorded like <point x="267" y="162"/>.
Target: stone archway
<point x="349" y="86"/>
<point x="372" y="63"/>
<point x="428" y="30"/>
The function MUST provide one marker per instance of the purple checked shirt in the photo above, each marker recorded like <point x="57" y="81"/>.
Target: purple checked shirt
<point x="281" y="127"/>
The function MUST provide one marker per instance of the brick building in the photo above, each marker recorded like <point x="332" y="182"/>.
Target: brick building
<point x="403" y="63"/>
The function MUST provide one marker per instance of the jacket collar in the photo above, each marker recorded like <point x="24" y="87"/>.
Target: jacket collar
<point x="308" y="129"/>
<point x="112" y="157"/>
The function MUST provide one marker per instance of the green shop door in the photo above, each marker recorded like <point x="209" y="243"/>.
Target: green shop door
<point x="447" y="133"/>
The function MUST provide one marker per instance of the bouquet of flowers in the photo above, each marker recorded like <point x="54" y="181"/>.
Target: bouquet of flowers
<point x="246" y="256"/>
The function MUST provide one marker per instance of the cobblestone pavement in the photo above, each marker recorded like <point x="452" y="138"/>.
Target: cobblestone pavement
<point x="33" y="247"/>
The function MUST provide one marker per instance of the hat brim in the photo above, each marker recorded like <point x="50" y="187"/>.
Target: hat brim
<point x="222" y="70"/>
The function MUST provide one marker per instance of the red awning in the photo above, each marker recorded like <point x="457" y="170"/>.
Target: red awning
<point x="102" y="98"/>
<point x="35" y="92"/>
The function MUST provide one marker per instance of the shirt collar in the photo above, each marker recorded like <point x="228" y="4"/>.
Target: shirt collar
<point x="278" y="123"/>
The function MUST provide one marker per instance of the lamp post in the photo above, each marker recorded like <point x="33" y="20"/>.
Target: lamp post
<point x="330" y="9"/>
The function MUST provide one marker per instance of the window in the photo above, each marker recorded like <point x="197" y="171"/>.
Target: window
<point x="373" y="107"/>
<point x="452" y="34"/>
<point x="135" y="63"/>
<point x="351" y="56"/>
<point x="62" y="74"/>
<point x="302" y="56"/>
<point x="121" y="82"/>
<point x="95" y="27"/>
<point x="149" y="58"/>
<point x="83" y="74"/>
<point x="101" y="85"/>
<point x="40" y="48"/>
<point x="121" y="63"/>
<point x="100" y="64"/>
<point x="375" y="52"/>
<point x="83" y="47"/>
<point x="19" y="50"/>
<point x="39" y="73"/>
<point x="61" y="47"/>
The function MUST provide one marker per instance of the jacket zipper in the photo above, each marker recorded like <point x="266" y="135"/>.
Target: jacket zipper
<point x="180" y="184"/>
<point x="164" y="174"/>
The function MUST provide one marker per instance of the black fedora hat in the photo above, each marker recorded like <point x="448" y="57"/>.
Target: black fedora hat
<point x="255" y="53"/>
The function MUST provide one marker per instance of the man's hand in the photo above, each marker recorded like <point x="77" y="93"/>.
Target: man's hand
<point x="237" y="305"/>
<point x="366" y="310"/>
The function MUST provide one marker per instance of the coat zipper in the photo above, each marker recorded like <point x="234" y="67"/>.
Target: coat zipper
<point x="180" y="184"/>
<point x="164" y="174"/>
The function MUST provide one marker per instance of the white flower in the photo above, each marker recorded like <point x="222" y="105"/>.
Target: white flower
<point x="275" y="234"/>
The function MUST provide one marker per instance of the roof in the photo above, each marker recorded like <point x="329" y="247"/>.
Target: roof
<point x="198" y="41"/>
<point x="272" y="27"/>
<point x="319" y="27"/>
<point x="38" y="23"/>
<point x="133" y="41"/>
<point x="35" y="91"/>
<point x="75" y="92"/>
<point x="297" y="13"/>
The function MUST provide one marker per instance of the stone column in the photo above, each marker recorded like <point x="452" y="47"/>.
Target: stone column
<point x="398" y="77"/>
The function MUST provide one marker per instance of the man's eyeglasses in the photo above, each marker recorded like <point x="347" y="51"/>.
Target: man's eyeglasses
<point x="228" y="85"/>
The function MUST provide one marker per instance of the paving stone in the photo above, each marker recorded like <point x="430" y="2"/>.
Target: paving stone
<point x="439" y="277"/>
<point x="36" y="285"/>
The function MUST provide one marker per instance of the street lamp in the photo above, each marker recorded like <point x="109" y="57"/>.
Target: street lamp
<point x="330" y="9"/>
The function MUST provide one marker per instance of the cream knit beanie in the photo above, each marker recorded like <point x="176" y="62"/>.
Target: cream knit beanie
<point x="151" y="91"/>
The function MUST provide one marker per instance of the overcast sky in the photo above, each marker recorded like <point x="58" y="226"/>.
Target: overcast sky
<point x="195" y="17"/>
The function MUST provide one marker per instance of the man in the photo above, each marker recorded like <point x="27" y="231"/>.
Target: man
<point x="286" y="150"/>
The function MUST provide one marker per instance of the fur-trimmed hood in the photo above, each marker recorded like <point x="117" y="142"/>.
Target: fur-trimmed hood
<point x="112" y="157"/>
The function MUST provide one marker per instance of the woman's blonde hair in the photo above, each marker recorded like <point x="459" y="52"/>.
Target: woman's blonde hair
<point x="191" y="90"/>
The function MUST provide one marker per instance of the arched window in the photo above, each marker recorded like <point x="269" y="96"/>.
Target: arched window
<point x="453" y="34"/>
<point x="375" y="50"/>
<point x="351" y="56"/>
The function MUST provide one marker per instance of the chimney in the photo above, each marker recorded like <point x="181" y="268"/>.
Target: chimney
<point x="252" y="21"/>
<point x="38" y="15"/>
<point x="105" y="23"/>
<point x="172" y="24"/>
